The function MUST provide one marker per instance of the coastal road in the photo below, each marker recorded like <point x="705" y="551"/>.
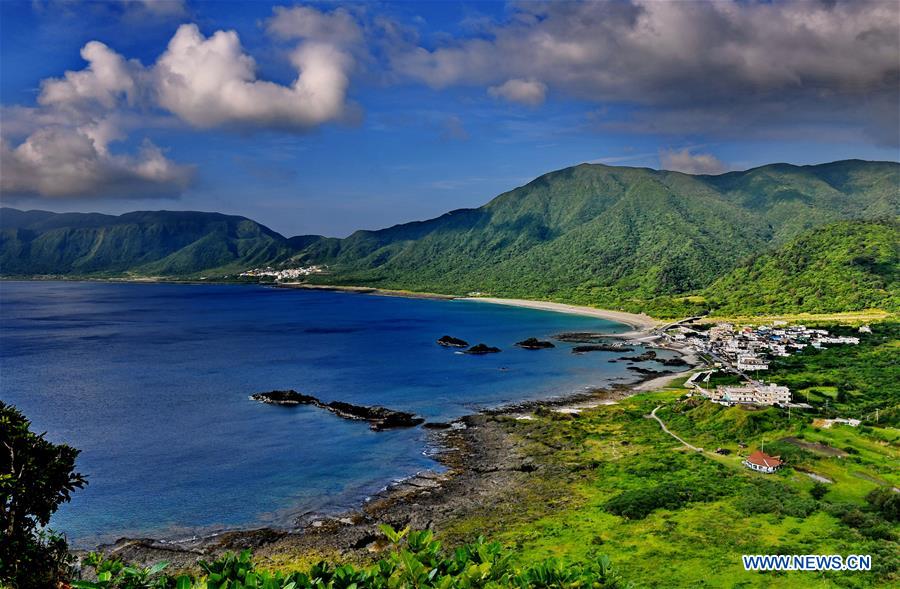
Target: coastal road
<point x="665" y="429"/>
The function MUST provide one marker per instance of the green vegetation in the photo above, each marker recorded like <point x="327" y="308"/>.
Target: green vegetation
<point x="629" y="238"/>
<point x="416" y="559"/>
<point x="844" y="266"/>
<point x="35" y="477"/>
<point x="161" y="243"/>
<point x="601" y="484"/>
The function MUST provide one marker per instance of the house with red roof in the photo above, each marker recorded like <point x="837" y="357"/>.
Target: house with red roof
<point x="762" y="462"/>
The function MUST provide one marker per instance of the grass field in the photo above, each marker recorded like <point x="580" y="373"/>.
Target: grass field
<point x="711" y="509"/>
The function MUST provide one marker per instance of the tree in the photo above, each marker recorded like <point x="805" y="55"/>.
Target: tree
<point x="36" y="476"/>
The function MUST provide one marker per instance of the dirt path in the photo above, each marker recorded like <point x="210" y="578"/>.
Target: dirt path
<point x="665" y="429"/>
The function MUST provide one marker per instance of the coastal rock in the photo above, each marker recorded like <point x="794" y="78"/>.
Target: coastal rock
<point x="482" y="349"/>
<point x="452" y="342"/>
<point x="379" y="418"/>
<point x="672" y="362"/>
<point x="648" y="372"/>
<point x="288" y="398"/>
<point x="600" y="348"/>
<point x="648" y="355"/>
<point x="533" y="343"/>
<point x="579" y="337"/>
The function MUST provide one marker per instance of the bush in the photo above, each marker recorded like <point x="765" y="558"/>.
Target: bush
<point x="639" y="503"/>
<point x="416" y="560"/>
<point x="886" y="502"/>
<point x="36" y="476"/>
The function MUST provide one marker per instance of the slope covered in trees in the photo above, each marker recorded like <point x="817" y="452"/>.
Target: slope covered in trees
<point x="629" y="238"/>
<point x="158" y="243"/>
<point x="844" y="266"/>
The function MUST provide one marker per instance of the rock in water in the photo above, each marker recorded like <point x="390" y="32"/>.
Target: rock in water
<point x="453" y="342"/>
<point x="287" y="398"/>
<point x="482" y="349"/>
<point x="533" y="343"/>
<point x="379" y="418"/>
<point x="601" y="348"/>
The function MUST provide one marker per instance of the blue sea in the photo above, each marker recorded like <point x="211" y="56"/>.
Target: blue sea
<point x="151" y="382"/>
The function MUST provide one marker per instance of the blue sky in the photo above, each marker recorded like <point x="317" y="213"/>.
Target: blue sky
<point x="406" y="110"/>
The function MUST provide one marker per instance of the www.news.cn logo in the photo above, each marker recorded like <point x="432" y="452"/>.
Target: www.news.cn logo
<point x="807" y="562"/>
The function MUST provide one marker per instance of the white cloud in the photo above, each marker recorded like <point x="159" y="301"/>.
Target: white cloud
<point x="338" y="28"/>
<point x="62" y="148"/>
<point x="528" y="92"/>
<point x="58" y="162"/>
<point x="691" y="163"/>
<point x="734" y="59"/>
<point x="210" y="82"/>
<point x="107" y="77"/>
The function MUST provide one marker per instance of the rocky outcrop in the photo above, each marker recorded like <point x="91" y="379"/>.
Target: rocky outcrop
<point x="452" y="342"/>
<point x="600" y="348"/>
<point x="648" y="372"/>
<point x="579" y="337"/>
<point x="482" y="349"/>
<point x="533" y="343"/>
<point x="379" y="418"/>
<point x="648" y="355"/>
<point x="672" y="362"/>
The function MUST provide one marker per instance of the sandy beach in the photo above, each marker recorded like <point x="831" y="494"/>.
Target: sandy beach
<point x="639" y="322"/>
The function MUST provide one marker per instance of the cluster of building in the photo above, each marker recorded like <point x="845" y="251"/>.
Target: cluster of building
<point x="748" y="348"/>
<point x="283" y="273"/>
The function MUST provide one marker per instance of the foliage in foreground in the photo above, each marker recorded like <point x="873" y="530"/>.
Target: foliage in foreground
<point x="416" y="560"/>
<point x="35" y="477"/>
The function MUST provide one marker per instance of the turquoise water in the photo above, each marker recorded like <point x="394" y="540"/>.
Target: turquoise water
<point x="151" y="382"/>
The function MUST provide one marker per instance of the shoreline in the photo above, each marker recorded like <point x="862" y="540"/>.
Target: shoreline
<point x="481" y="459"/>
<point x="640" y="322"/>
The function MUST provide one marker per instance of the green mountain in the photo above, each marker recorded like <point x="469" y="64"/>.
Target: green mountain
<point x="628" y="238"/>
<point x="161" y="243"/>
<point x="848" y="265"/>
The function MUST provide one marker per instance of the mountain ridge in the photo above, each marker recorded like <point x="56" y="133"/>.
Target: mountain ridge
<point x="615" y="236"/>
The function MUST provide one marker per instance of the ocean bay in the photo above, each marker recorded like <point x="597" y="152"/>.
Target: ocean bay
<point x="151" y="382"/>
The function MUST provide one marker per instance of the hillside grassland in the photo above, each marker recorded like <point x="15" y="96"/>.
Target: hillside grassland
<point x="612" y="482"/>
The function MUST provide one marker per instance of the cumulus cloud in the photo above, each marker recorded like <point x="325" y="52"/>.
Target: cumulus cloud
<point x="728" y="58"/>
<point x="339" y="27"/>
<point x="60" y="162"/>
<point x="528" y="92"/>
<point x="211" y="81"/>
<point x="691" y="163"/>
<point x="105" y="80"/>
<point x="62" y="148"/>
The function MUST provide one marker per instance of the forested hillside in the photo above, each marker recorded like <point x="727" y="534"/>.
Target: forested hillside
<point x="159" y="243"/>
<point x="630" y="238"/>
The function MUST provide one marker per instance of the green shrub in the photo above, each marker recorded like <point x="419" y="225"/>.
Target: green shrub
<point x="36" y="476"/>
<point x="415" y="560"/>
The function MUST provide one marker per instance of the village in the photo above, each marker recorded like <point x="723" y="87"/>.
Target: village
<point x="283" y="274"/>
<point x="740" y="350"/>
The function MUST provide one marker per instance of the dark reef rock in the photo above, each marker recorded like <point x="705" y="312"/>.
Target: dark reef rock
<point x="437" y="425"/>
<point x="648" y="372"/>
<point x="601" y="348"/>
<point x="286" y="398"/>
<point x="672" y="362"/>
<point x="452" y="342"/>
<point x="482" y="349"/>
<point x="533" y="343"/>
<point x="580" y="337"/>
<point x="648" y="355"/>
<point x="379" y="418"/>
